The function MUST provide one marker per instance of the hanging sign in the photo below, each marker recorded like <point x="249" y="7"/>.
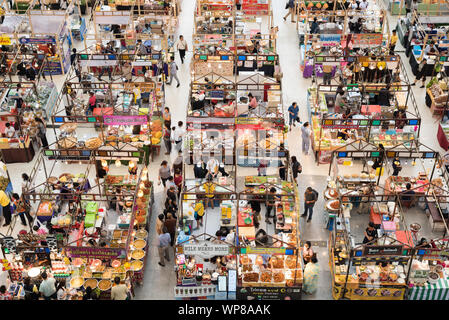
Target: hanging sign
<point x="5" y="41"/>
<point x="37" y="40"/>
<point x="367" y="39"/>
<point x="124" y="120"/>
<point x="205" y="249"/>
<point x="382" y="251"/>
<point x="94" y="252"/>
<point x="330" y="40"/>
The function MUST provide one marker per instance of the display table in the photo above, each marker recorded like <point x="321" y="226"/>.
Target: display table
<point x="18" y="155"/>
<point x="442" y="138"/>
<point x="437" y="291"/>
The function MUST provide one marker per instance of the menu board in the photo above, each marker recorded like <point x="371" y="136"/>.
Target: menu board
<point x="382" y="250"/>
<point x="268" y="293"/>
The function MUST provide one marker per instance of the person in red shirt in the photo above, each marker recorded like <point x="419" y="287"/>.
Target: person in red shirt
<point x="92" y="101"/>
<point x="177" y="179"/>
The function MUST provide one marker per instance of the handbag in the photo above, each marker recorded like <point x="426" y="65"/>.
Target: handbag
<point x="287" y="5"/>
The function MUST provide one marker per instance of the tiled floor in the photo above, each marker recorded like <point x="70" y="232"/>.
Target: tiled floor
<point x="159" y="281"/>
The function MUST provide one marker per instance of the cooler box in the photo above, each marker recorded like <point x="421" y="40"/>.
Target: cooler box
<point x="92" y="208"/>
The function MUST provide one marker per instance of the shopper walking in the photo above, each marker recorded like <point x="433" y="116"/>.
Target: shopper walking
<point x="166" y="115"/>
<point x="177" y="135"/>
<point x="5" y="202"/>
<point x="397" y="167"/>
<point x="306" y="137"/>
<point x="48" y="286"/>
<point x="173" y="71"/>
<point x="177" y="163"/>
<point x="170" y="224"/>
<point x="42" y="132"/>
<point x="167" y="139"/>
<point x="311" y="273"/>
<point x="119" y="291"/>
<point x="296" y="168"/>
<point x="293" y="111"/>
<point x="21" y="70"/>
<point x="178" y="181"/>
<point x="164" y="173"/>
<point x="307" y="252"/>
<point x="182" y="47"/>
<point x="310" y="198"/>
<point x="160" y="223"/>
<point x="291" y="10"/>
<point x="163" y="247"/>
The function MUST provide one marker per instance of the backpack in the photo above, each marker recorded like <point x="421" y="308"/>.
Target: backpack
<point x="316" y="194"/>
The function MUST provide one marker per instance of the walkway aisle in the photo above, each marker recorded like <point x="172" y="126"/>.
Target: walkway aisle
<point x="159" y="282"/>
<point x="294" y="88"/>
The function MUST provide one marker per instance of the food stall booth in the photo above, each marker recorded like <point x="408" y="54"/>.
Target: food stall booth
<point x="212" y="96"/>
<point x="204" y="262"/>
<point x="206" y="268"/>
<point x="367" y="119"/>
<point x="270" y="264"/>
<point x="51" y="37"/>
<point x="260" y="141"/>
<point x="428" y="278"/>
<point x="213" y="43"/>
<point x="212" y="136"/>
<point x="104" y="227"/>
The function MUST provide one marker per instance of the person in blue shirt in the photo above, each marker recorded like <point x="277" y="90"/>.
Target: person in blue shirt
<point x="163" y="246"/>
<point x="314" y="28"/>
<point x="293" y="111"/>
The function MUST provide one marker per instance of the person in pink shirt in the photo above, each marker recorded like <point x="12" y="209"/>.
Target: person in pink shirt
<point x="92" y="101"/>
<point x="252" y="101"/>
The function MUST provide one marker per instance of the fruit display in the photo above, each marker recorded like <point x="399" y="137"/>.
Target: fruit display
<point x="156" y="130"/>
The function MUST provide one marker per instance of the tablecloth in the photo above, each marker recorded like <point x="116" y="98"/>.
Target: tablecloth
<point x="442" y="139"/>
<point x="437" y="291"/>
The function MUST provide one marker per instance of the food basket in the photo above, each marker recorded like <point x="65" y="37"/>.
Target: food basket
<point x="104" y="284"/>
<point x="76" y="282"/>
<point x="68" y="127"/>
<point x="136" y="265"/>
<point x="138" y="254"/>
<point x="91" y="283"/>
<point x="67" y="143"/>
<point x="93" y="143"/>
<point x="139" y="244"/>
<point x="333" y="205"/>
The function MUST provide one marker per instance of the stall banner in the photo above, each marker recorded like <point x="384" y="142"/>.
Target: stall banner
<point x="124" y="120"/>
<point x="382" y="250"/>
<point x="431" y="253"/>
<point x="367" y="39"/>
<point x="112" y="17"/>
<point x="205" y="249"/>
<point x="5" y="41"/>
<point x="330" y="40"/>
<point x="93" y="252"/>
<point x="37" y="40"/>
<point x="268" y="293"/>
<point x="254" y="250"/>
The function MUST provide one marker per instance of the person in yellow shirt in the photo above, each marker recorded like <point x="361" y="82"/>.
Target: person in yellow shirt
<point x="209" y="189"/>
<point x="6" y="208"/>
<point x="393" y="40"/>
<point x="381" y="69"/>
<point x="198" y="209"/>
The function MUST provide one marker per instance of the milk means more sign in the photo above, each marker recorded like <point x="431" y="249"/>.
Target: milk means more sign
<point x="205" y="249"/>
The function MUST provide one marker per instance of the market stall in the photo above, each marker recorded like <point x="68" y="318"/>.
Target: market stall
<point x="270" y="264"/>
<point x="363" y="113"/>
<point x="212" y="96"/>
<point x="100" y="227"/>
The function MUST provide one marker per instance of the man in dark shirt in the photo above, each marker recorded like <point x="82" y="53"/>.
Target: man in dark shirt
<point x="408" y="201"/>
<point x="170" y="224"/>
<point x="370" y="233"/>
<point x="310" y="197"/>
<point x="271" y="199"/>
<point x="30" y="72"/>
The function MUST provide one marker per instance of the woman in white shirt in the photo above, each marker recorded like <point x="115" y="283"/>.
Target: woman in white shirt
<point x="182" y="47"/>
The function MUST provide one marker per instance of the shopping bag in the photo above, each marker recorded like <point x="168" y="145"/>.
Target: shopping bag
<point x="92" y="207"/>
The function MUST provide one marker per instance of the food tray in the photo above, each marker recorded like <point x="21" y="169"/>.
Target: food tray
<point x="91" y="283"/>
<point x="76" y="282"/>
<point x="104" y="284"/>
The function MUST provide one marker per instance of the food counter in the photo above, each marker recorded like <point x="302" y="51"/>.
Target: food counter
<point x="398" y="184"/>
<point x="220" y="147"/>
<point x="17" y="150"/>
